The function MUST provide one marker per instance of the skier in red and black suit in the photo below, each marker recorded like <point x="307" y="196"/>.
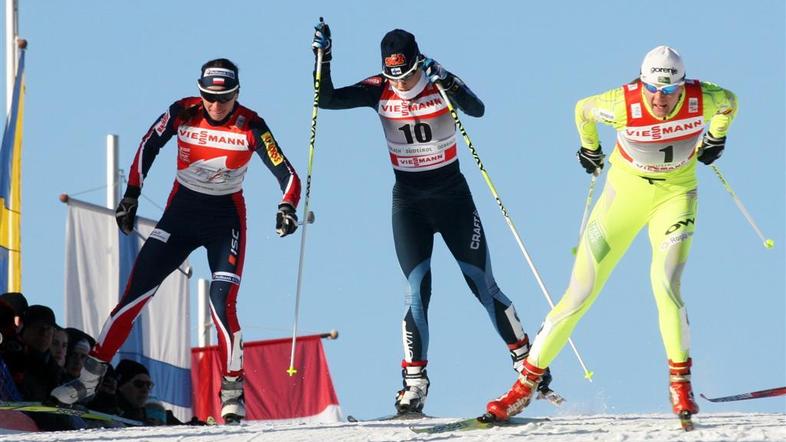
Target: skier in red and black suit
<point x="216" y="138"/>
<point x="430" y="194"/>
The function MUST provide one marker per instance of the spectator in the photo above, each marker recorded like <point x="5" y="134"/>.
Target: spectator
<point x="59" y="345"/>
<point x="8" y="328"/>
<point x="18" y="302"/>
<point x="79" y="344"/>
<point x="105" y="399"/>
<point x="133" y="389"/>
<point x="40" y="373"/>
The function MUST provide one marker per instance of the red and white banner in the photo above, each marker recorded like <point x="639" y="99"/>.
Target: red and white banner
<point x="270" y="393"/>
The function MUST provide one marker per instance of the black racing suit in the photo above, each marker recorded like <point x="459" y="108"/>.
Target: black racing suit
<point x="431" y="197"/>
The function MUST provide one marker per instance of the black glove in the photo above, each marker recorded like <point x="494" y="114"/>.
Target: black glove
<point x="590" y="159"/>
<point x="322" y="41"/>
<point x="286" y="219"/>
<point x="711" y="148"/>
<point x="125" y="214"/>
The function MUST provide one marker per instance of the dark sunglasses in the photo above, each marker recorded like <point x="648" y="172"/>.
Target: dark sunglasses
<point x="143" y="384"/>
<point x="221" y="98"/>
<point x="665" y="90"/>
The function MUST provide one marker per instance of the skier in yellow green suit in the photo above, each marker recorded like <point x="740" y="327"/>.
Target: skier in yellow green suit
<point x="659" y="119"/>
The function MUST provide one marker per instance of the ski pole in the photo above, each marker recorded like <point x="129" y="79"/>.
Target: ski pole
<point x="587" y="205"/>
<point x="768" y="243"/>
<point x="187" y="271"/>
<point x="306" y="213"/>
<point x="587" y="373"/>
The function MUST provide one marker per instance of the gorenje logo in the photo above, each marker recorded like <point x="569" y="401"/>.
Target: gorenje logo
<point x="666" y="70"/>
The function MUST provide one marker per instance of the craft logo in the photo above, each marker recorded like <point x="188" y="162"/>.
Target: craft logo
<point x="395" y="60"/>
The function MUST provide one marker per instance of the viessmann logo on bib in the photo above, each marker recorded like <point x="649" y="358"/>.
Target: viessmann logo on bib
<point x="212" y="138"/>
<point x="665" y="131"/>
<point x="423" y="106"/>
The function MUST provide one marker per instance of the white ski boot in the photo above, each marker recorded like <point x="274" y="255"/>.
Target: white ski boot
<point x="84" y="386"/>
<point x="412" y="397"/>
<point x="233" y="406"/>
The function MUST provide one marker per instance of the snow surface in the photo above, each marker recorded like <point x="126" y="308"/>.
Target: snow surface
<point x="617" y="427"/>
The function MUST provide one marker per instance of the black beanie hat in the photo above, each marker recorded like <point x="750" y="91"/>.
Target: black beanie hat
<point x="126" y="370"/>
<point x="400" y="53"/>
<point x="38" y="313"/>
<point x="16" y="300"/>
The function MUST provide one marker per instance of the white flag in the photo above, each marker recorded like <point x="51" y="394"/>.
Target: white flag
<point x="98" y="260"/>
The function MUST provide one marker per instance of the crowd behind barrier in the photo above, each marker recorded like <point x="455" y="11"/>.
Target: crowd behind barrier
<point x="37" y="355"/>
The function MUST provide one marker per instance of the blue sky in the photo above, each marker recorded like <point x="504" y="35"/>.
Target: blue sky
<point x="97" y="67"/>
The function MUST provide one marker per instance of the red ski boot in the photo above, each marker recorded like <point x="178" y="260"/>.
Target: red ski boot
<point x="681" y="393"/>
<point x="519" y="396"/>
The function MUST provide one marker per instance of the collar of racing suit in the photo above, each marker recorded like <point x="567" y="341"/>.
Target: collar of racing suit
<point x="412" y="93"/>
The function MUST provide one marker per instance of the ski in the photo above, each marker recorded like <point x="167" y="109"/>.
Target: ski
<point x="552" y="396"/>
<point x="392" y="417"/>
<point x="38" y="407"/>
<point x="752" y="395"/>
<point x="484" y="422"/>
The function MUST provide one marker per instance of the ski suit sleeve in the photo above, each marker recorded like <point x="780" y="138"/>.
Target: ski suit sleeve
<point x="152" y="142"/>
<point x="465" y="99"/>
<point x="607" y="108"/>
<point x="365" y="93"/>
<point x="720" y="108"/>
<point x="265" y="145"/>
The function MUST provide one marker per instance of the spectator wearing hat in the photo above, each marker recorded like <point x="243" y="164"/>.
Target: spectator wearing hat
<point x="18" y="302"/>
<point x="8" y="331"/>
<point x="216" y="140"/>
<point x="39" y="371"/>
<point x="79" y="345"/>
<point x="133" y="389"/>
<point x="430" y="194"/>
<point x="105" y="399"/>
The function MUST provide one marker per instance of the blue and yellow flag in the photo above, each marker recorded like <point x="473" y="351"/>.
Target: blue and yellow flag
<point x="11" y="188"/>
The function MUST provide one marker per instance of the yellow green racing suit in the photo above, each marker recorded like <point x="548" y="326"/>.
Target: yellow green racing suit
<point x="651" y="181"/>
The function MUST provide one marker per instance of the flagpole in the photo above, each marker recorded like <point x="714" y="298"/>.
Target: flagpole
<point x="11" y="49"/>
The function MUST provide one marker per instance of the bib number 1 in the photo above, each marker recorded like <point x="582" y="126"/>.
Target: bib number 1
<point x="668" y="154"/>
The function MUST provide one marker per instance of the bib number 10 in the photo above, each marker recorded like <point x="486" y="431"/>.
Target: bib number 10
<point x="421" y="132"/>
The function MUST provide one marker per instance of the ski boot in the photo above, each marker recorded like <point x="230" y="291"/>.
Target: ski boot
<point x="412" y="397"/>
<point x="682" y="402"/>
<point x="233" y="406"/>
<point x="84" y="386"/>
<point x="519" y="396"/>
<point x="518" y="353"/>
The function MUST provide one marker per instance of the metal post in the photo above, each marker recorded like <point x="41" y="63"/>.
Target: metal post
<point x="203" y="313"/>
<point x="11" y="49"/>
<point x="112" y="186"/>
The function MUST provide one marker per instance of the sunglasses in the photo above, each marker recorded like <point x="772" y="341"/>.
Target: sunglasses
<point x="221" y="98"/>
<point x="665" y="90"/>
<point x="143" y="384"/>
